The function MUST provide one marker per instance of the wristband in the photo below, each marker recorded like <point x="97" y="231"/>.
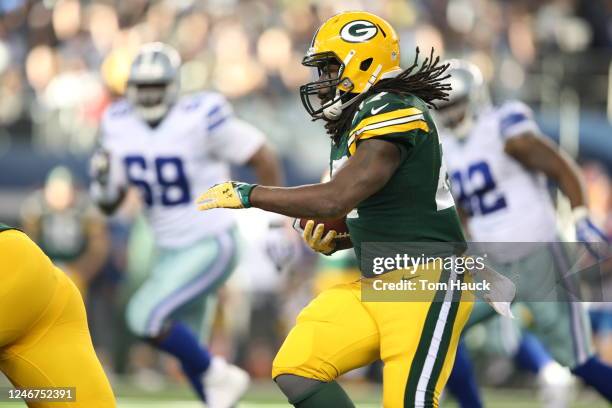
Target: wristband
<point x="244" y="191"/>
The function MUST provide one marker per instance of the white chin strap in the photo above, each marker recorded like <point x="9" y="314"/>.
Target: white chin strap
<point x="333" y="111"/>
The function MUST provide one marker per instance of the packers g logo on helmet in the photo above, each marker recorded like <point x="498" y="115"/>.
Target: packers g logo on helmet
<point x="360" y="49"/>
<point x="358" y="31"/>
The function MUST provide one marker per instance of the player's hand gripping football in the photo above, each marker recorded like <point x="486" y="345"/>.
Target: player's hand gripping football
<point x="313" y="236"/>
<point x="231" y="194"/>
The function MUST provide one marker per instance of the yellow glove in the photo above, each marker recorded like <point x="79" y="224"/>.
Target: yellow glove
<point x="230" y="194"/>
<point x="315" y="240"/>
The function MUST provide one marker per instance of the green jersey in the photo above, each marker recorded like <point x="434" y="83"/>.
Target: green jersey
<point x="416" y="204"/>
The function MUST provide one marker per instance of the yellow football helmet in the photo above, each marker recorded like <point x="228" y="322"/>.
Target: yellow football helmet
<point x="365" y="48"/>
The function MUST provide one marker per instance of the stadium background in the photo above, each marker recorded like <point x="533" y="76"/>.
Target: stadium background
<point x="63" y="61"/>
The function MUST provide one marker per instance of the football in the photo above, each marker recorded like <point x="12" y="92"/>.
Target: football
<point x="343" y="237"/>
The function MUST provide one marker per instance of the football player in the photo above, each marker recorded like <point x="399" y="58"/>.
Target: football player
<point x="169" y="148"/>
<point x="67" y="226"/>
<point x="387" y="176"/>
<point x="498" y="163"/>
<point x="44" y="338"/>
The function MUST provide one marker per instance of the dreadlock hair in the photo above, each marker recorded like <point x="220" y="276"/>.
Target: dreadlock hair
<point x="423" y="80"/>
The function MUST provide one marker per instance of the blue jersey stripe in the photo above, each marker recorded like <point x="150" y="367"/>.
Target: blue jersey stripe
<point x="214" y="110"/>
<point x="511" y="120"/>
<point x="218" y="122"/>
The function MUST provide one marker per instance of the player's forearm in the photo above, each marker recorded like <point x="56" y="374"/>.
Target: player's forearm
<point x="366" y="172"/>
<point x="314" y="201"/>
<point x="539" y="154"/>
<point x="361" y="176"/>
<point x="562" y="169"/>
<point x="571" y="185"/>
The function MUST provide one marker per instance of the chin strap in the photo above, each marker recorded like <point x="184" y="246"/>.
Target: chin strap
<point x="333" y="111"/>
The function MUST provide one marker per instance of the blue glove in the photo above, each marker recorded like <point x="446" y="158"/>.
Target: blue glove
<point x="594" y="239"/>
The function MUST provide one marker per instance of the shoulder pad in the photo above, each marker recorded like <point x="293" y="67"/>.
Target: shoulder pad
<point x="383" y="107"/>
<point x="514" y="111"/>
<point x="192" y="102"/>
<point x="208" y="104"/>
<point x="385" y="114"/>
<point x="515" y="117"/>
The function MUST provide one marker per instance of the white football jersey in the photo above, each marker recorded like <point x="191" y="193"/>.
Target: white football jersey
<point x="171" y="164"/>
<point x="505" y="201"/>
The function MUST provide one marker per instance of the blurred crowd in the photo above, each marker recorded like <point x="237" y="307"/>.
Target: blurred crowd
<point x="63" y="61"/>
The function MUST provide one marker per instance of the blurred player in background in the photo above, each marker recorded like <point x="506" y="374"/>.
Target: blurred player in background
<point x="64" y="222"/>
<point x="387" y="172"/>
<point x="251" y="303"/>
<point x="498" y="162"/>
<point x="44" y="338"/>
<point x="171" y="147"/>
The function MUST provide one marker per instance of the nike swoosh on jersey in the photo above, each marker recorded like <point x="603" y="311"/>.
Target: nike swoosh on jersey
<point x="376" y="110"/>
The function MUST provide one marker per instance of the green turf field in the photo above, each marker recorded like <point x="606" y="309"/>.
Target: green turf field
<point x="264" y="395"/>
